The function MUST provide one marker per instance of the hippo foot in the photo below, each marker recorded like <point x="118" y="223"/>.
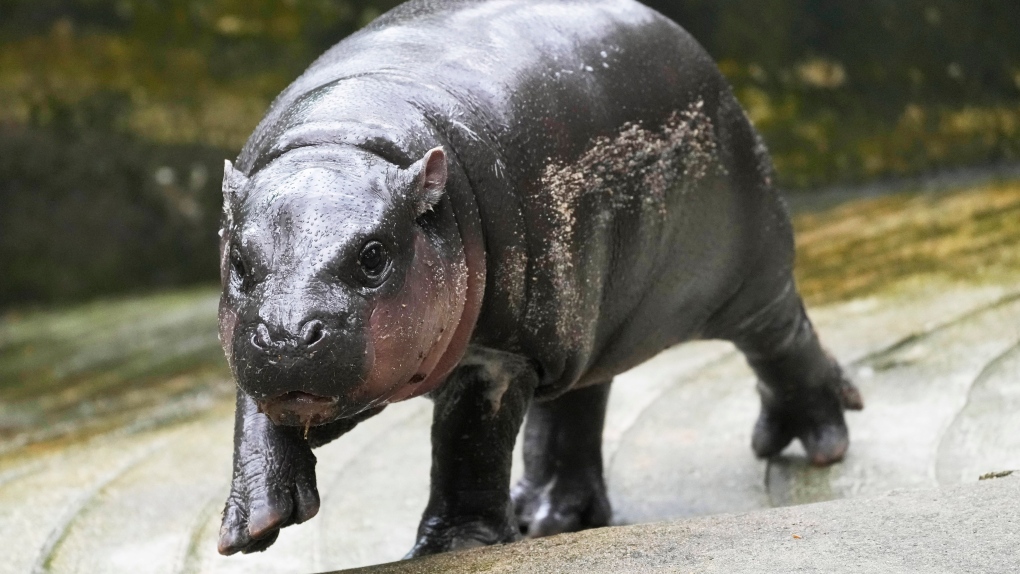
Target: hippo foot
<point x="566" y="503"/>
<point x="436" y="535"/>
<point x="815" y="417"/>
<point x="263" y="500"/>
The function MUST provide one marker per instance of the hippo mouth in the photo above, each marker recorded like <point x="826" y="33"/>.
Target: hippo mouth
<point x="298" y="408"/>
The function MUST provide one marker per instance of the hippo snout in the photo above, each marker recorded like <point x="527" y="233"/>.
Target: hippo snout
<point x="298" y="408"/>
<point x="309" y="335"/>
<point x="298" y="368"/>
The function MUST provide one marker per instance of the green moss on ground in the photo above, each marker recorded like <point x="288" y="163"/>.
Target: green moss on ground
<point x="66" y="371"/>
<point x="862" y="247"/>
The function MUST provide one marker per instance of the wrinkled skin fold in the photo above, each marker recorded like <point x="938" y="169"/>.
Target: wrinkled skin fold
<point x="501" y="205"/>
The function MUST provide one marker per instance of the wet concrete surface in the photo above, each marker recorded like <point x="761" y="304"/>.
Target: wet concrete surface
<point x="127" y="468"/>
<point x="972" y="528"/>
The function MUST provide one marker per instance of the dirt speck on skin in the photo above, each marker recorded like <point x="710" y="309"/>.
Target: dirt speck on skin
<point x="640" y="168"/>
<point x="639" y="162"/>
<point x="510" y="277"/>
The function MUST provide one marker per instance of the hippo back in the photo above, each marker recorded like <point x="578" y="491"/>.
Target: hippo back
<point x="621" y="193"/>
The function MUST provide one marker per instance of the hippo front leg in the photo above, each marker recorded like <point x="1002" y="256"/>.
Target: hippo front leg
<point x="273" y="483"/>
<point x="478" y="412"/>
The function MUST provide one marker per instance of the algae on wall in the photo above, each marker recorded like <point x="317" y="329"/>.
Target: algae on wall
<point x="851" y="91"/>
<point x="115" y="115"/>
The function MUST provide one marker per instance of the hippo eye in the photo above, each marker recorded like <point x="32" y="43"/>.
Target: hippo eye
<point x="240" y="268"/>
<point x="373" y="259"/>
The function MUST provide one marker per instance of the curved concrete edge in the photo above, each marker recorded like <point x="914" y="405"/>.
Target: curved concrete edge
<point x="969" y="528"/>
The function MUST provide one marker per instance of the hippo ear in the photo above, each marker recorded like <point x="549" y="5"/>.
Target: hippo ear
<point x="429" y="180"/>
<point x="233" y="180"/>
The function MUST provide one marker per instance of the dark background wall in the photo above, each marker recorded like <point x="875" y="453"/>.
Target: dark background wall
<point x="116" y="115"/>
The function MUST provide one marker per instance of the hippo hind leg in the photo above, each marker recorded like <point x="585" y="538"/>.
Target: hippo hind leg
<point x="803" y="389"/>
<point x="563" y="489"/>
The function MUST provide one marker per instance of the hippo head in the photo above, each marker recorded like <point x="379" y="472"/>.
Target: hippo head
<point x="344" y="279"/>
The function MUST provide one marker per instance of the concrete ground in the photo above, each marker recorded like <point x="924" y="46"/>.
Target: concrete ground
<point x="972" y="528"/>
<point x="115" y="428"/>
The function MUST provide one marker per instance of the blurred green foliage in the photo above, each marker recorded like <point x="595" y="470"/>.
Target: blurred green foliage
<point x="89" y="212"/>
<point x="178" y="71"/>
<point x="847" y="91"/>
<point x="115" y="118"/>
<point x="115" y="115"/>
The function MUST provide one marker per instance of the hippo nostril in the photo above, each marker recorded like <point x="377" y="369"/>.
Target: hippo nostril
<point x="312" y="332"/>
<point x="260" y="339"/>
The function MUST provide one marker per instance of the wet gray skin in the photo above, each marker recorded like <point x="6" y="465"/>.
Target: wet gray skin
<point x="315" y="256"/>
<point x="502" y="205"/>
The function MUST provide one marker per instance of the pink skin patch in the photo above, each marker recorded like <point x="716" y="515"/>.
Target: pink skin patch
<point x="227" y="315"/>
<point x="228" y="321"/>
<point x="410" y="334"/>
